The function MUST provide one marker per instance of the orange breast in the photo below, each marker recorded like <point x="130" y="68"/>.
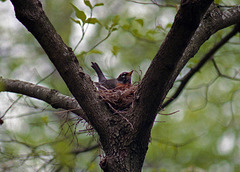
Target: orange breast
<point x="123" y="86"/>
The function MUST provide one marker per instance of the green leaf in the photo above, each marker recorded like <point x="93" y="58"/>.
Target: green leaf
<point x="151" y="31"/>
<point x="87" y="3"/>
<point x="80" y="14"/>
<point x="2" y="85"/>
<point x="126" y="27"/>
<point x="131" y="19"/>
<point x="135" y="32"/>
<point x="114" y="29"/>
<point x="106" y="27"/>
<point x="169" y="25"/>
<point x="76" y="21"/>
<point x="92" y="21"/>
<point x="99" y="4"/>
<point x="95" y="51"/>
<point x="116" y="20"/>
<point x="140" y="21"/>
<point x="115" y="50"/>
<point x="159" y="27"/>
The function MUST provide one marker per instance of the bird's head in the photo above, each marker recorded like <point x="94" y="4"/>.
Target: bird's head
<point x="125" y="77"/>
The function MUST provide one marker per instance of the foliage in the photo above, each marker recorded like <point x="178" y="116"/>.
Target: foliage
<point x="203" y="135"/>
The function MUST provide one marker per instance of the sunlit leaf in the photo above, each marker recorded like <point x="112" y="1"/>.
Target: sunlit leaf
<point x="76" y="21"/>
<point x="116" y="19"/>
<point x="98" y="4"/>
<point x="79" y="14"/>
<point x="159" y="27"/>
<point x="115" y="50"/>
<point x="126" y="27"/>
<point x="92" y="21"/>
<point x="140" y="21"/>
<point x="114" y="29"/>
<point x="2" y="85"/>
<point x="87" y="3"/>
<point x="151" y="31"/>
<point x="95" y="51"/>
<point x="135" y="31"/>
<point x="169" y="25"/>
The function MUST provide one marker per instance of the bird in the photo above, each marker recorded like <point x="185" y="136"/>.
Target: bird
<point x="122" y="81"/>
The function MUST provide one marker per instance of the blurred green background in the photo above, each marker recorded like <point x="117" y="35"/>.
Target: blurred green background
<point x="203" y="135"/>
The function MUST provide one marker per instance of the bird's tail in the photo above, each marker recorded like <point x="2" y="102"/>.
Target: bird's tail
<point x="99" y="72"/>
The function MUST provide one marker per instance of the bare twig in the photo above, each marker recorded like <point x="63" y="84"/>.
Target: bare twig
<point x="53" y="97"/>
<point x="167" y="114"/>
<point x="22" y="95"/>
<point x="220" y="73"/>
<point x="153" y="3"/>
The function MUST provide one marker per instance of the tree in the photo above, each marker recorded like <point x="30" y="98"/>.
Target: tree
<point x="125" y="139"/>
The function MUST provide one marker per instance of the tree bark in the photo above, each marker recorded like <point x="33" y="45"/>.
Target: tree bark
<point x="50" y="96"/>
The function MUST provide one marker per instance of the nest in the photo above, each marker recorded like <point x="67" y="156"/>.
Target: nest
<point x="119" y="99"/>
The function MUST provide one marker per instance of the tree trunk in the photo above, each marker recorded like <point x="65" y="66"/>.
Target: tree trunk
<point x="125" y="148"/>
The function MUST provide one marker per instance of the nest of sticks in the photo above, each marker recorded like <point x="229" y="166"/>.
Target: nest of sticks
<point x="119" y="99"/>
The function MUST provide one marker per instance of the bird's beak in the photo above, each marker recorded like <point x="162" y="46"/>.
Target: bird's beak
<point x="130" y="73"/>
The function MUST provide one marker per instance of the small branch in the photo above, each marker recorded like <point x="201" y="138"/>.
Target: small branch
<point x="21" y="95"/>
<point x="167" y="114"/>
<point x="52" y="97"/>
<point x="201" y="63"/>
<point x="153" y="3"/>
<point x="97" y="44"/>
<point x="78" y="151"/>
<point x="220" y="73"/>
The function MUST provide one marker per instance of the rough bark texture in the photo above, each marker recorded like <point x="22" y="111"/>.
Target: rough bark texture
<point x="50" y="96"/>
<point x="125" y="137"/>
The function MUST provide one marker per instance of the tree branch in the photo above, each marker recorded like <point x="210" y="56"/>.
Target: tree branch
<point x="161" y="74"/>
<point x="50" y="96"/>
<point x="32" y="16"/>
<point x="201" y="63"/>
<point x="214" y="20"/>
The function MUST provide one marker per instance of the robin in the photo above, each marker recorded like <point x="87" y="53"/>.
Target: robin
<point x="122" y="81"/>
